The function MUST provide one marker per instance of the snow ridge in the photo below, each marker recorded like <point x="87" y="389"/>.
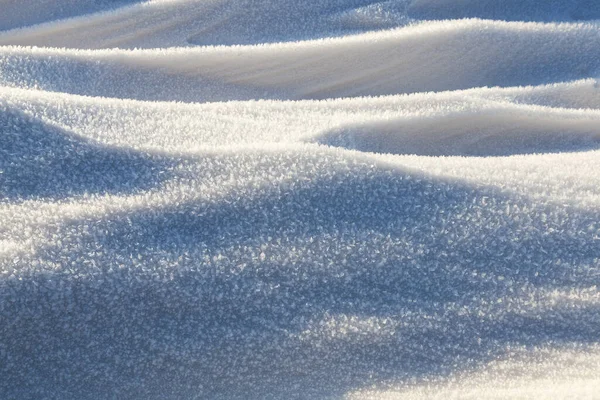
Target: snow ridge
<point x="273" y="199"/>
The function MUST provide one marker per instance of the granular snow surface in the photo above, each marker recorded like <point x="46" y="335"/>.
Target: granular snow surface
<point x="283" y="199"/>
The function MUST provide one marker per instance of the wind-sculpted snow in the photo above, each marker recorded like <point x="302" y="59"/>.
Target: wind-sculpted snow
<point x="355" y="202"/>
<point x="20" y="14"/>
<point x="41" y="160"/>
<point x="481" y="132"/>
<point x="432" y="57"/>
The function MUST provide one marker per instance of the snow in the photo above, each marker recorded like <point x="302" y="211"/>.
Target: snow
<point x="272" y="199"/>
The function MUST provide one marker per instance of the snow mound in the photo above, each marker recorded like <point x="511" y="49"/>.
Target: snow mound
<point x="434" y="57"/>
<point x="273" y="199"/>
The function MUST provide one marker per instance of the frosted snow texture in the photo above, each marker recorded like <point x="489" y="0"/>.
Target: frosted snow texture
<point x="277" y="199"/>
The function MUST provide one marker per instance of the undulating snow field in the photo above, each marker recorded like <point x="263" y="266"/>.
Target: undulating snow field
<point x="286" y="199"/>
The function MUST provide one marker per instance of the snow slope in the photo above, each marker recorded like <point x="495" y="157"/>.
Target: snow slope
<point x="273" y="199"/>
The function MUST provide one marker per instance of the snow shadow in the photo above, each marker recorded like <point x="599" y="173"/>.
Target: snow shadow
<point x="232" y="300"/>
<point x="42" y="161"/>
<point x="16" y="15"/>
<point x="507" y="10"/>
<point x="263" y="21"/>
<point x="487" y="132"/>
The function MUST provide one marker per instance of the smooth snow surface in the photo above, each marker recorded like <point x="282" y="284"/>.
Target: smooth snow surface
<point x="283" y="199"/>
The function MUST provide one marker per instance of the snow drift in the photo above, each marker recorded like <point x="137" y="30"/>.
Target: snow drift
<point x="277" y="199"/>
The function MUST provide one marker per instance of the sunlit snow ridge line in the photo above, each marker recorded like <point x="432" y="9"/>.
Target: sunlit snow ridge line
<point x="372" y="64"/>
<point x="545" y="93"/>
<point x="433" y="28"/>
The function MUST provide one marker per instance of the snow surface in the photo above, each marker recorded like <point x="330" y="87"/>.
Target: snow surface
<point x="282" y="199"/>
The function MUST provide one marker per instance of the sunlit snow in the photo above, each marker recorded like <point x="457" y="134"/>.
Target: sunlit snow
<point x="285" y="199"/>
